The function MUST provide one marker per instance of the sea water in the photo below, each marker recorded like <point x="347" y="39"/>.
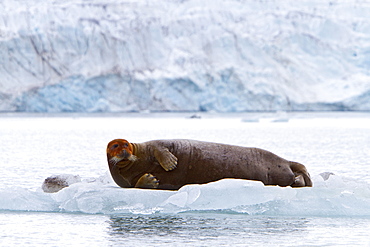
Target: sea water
<point x="334" y="147"/>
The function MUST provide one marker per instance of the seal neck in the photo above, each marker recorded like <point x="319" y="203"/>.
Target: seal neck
<point x="135" y="148"/>
<point x="141" y="150"/>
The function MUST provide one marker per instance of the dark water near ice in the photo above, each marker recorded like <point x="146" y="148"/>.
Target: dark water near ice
<point x="227" y="213"/>
<point x="189" y="229"/>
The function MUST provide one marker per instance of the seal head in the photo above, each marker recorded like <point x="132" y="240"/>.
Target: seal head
<point x="119" y="151"/>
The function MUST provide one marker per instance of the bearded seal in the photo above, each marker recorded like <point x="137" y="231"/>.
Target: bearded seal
<point x="171" y="164"/>
<point x="55" y="183"/>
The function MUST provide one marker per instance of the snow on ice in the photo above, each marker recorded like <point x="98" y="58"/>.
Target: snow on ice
<point x="335" y="196"/>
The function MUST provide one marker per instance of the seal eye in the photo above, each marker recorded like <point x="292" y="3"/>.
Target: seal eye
<point x="115" y="146"/>
<point x="125" y="145"/>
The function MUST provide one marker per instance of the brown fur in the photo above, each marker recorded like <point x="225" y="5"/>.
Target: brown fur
<point x="171" y="164"/>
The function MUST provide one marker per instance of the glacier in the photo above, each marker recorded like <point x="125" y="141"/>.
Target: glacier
<point x="184" y="55"/>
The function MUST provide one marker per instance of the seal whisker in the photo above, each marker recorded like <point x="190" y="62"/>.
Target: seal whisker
<point x="132" y="158"/>
<point x="113" y="161"/>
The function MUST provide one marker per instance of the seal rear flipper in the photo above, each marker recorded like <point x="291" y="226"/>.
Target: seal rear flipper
<point x="299" y="181"/>
<point x="165" y="158"/>
<point x="302" y="177"/>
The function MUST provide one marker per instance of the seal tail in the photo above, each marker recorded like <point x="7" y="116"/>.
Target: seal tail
<point x="302" y="177"/>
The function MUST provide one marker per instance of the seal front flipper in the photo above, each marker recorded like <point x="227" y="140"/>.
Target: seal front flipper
<point x="165" y="158"/>
<point x="147" y="181"/>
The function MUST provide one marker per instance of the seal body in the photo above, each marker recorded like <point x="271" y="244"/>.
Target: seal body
<point x="171" y="164"/>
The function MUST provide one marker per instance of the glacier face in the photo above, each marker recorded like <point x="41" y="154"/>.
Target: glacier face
<point x="211" y="55"/>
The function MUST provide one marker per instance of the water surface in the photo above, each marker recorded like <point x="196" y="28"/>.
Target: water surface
<point x="96" y="212"/>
